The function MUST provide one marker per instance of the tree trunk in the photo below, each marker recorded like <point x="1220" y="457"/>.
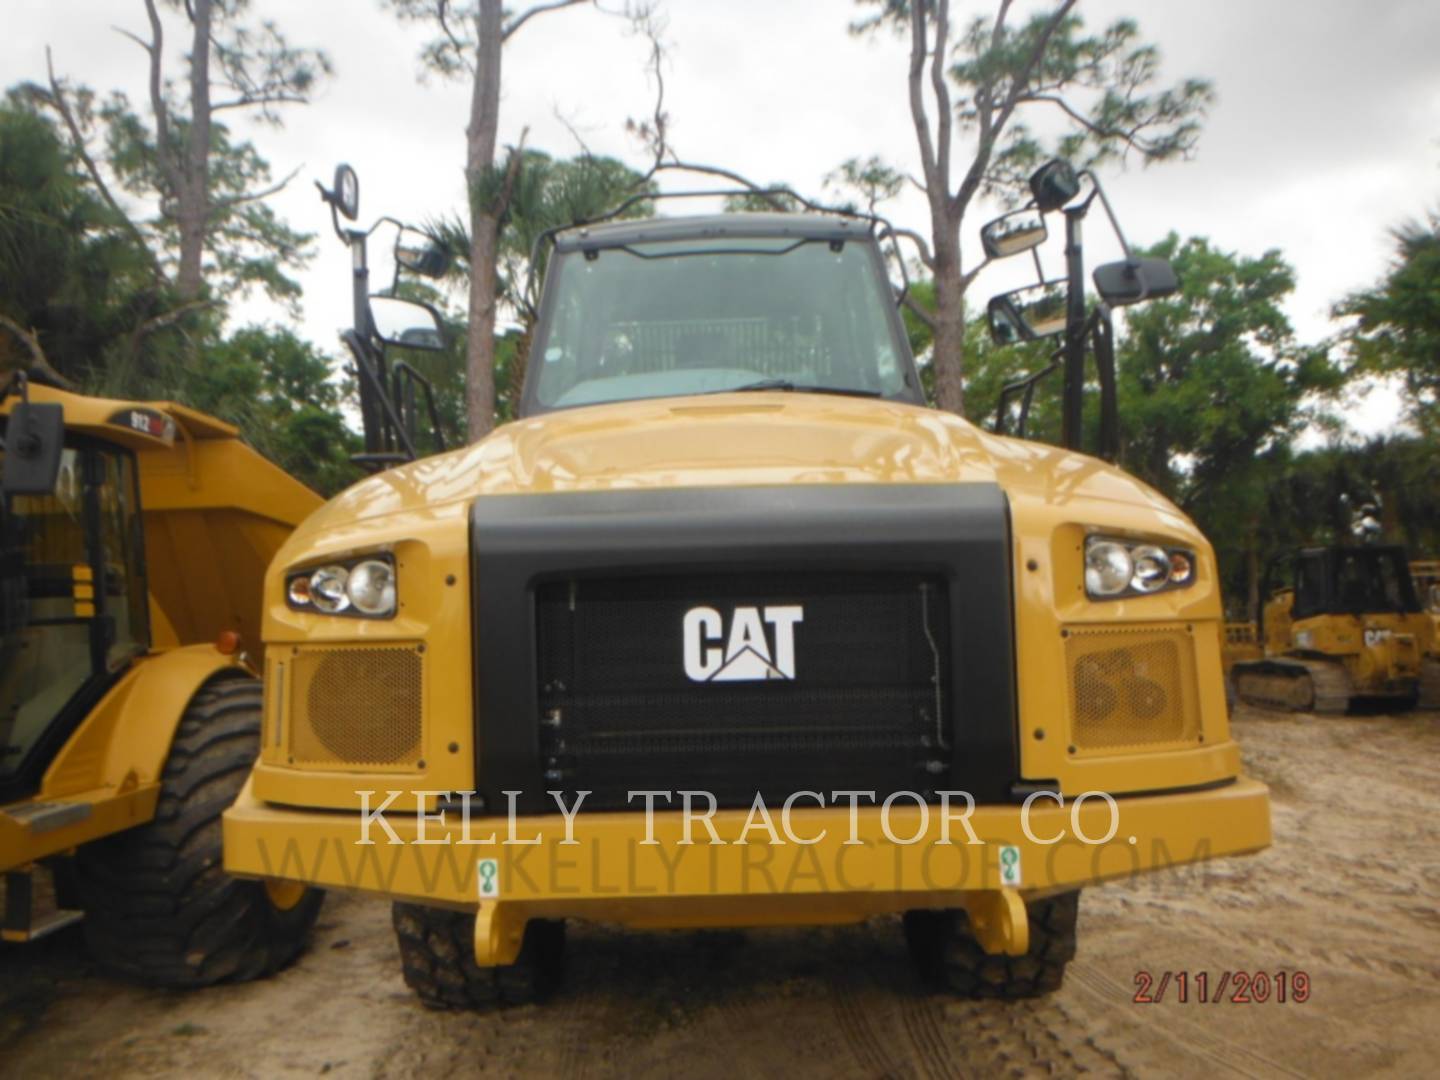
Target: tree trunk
<point x="480" y="137"/>
<point x="193" y="199"/>
<point x="949" y="339"/>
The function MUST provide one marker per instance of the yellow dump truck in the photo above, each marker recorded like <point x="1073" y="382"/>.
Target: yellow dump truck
<point x="730" y="629"/>
<point x="135" y="539"/>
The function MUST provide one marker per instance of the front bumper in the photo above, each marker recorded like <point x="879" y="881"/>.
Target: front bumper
<point x="852" y="869"/>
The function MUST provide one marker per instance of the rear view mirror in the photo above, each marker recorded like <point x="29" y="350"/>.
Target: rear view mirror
<point x="1054" y="184"/>
<point x="1010" y="234"/>
<point x="1134" y="280"/>
<point x="406" y="323"/>
<point x="34" y="440"/>
<point x="346" y="191"/>
<point x="1028" y="314"/>
<point x="421" y="253"/>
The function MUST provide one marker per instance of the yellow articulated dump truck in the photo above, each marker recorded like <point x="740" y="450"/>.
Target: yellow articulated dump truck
<point x="135" y="540"/>
<point x="730" y="629"/>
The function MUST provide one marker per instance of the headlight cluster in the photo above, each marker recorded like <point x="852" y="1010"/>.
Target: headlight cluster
<point x="1115" y="568"/>
<point x="361" y="587"/>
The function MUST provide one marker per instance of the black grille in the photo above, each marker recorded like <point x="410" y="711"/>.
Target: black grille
<point x="866" y="708"/>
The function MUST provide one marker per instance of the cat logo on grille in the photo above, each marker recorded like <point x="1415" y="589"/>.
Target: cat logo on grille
<point x="759" y="646"/>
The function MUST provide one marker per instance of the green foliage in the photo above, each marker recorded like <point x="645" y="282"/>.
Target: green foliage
<point x="66" y="269"/>
<point x="754" y="202"/>
<point x="1212" y="377"/>
<point x="548" y="193"/>
<point x="1396" y="328"/>
<point x="870" y="178"/>
<point x="1102" y="85"/>
<point x="277" y="388"/>
<point x="247" y="245"/>
<point x="74" y="273"/>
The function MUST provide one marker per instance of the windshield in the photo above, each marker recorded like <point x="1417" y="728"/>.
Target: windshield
<point x="1354" y="581"/>
<point x="1371" y="581"/>
<point x="706" y="316"/>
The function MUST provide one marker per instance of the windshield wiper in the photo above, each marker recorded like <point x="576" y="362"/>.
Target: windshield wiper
<point x="787" y="385"/>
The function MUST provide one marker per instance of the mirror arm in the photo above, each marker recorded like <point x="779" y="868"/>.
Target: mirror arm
<point x="428" y="388"/>
<point x="1027" y="386"/>
<point x="1102" y="337"/>
<point x="1109" y="212"/>
<point x="376" y="383"/>
<point x="1039" y="269"/>
<point x="332" y="200"/>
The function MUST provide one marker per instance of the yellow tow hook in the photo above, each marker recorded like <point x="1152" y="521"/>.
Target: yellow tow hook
<point x="1000" y="921"/>
<point x="499" y="933"/>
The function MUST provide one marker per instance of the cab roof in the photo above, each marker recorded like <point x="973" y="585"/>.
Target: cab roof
<point x="710" y="226"/>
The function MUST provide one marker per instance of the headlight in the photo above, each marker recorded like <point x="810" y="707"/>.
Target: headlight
<point x="363" y="587"/>
<point x="327" y="589"/>
<point x="1115" y="568"/>
<point x="371" y="587"/>
<point x="1108" y="568"/>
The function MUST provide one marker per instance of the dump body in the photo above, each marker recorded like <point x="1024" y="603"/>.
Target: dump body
<point x="154" y="543"/>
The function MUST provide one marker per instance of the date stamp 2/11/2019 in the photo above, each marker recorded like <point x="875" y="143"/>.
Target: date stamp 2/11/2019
<point x="1231" y="987"/>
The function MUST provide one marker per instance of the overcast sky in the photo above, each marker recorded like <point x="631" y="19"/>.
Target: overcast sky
<point x="1326" y="132"/>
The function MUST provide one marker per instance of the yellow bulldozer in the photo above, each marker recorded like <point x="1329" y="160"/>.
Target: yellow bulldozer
<point x="134" y="539"/>
<point x="1340" y="624"/>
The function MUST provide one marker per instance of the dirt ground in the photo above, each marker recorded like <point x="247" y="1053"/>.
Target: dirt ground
<point x="1347" y="895"/>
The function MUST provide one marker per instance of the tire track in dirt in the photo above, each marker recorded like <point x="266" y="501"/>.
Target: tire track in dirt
<point x="922" y="1021"/>
<point x="853" y="1017"/>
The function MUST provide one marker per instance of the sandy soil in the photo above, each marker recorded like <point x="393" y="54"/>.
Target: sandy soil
<point x="1347" y="895"/>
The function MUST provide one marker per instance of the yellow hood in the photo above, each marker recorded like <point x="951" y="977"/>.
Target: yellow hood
<point x="746" y="439"/>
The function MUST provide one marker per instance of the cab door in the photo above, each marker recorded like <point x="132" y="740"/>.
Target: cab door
<point x="75" y="615"/>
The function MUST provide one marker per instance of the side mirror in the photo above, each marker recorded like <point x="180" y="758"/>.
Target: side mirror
<point x="34" y="441"/>
<point x="406" y="323"/>
<point x="1028" y="314"/>
<point x="1134" y="280"/>
<point x="1054" y="184"/>
<point x="421" y="253"/>
<point x="1012" y="233"/>
<point x="346" y="192"/>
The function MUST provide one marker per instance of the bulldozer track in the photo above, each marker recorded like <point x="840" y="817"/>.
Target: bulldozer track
<point x="1294" y="684"/>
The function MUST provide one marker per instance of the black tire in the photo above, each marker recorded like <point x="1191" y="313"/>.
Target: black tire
<point x="159" y="907"/>
<point x="945" y="950"/>
<point x="437" y="954"/>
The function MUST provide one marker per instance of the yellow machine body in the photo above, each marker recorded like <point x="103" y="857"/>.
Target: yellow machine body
<point x="214" y="513"/>
<point x="1175" y="776"/>
<point x="1381" y="653"/>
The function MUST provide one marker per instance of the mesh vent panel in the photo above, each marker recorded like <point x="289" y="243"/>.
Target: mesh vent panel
<point x="1131" y="688"/>
<point x="356" y="706"/>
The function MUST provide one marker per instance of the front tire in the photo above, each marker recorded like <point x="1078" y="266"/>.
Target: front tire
<point x="947" y="953"/>
<point x="437" y="953"/>
<point x="159" y="907"/>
